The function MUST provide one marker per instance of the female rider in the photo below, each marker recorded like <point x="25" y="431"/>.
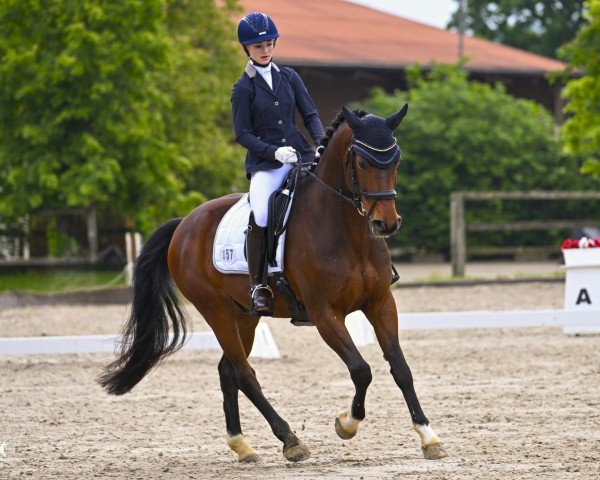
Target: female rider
<point x="264" y="102"/>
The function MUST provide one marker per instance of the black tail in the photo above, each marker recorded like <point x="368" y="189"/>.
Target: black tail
<point x="155" y="301"/>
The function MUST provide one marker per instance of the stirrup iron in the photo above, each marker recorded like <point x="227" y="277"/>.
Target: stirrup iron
<point x="261" y="287"/>
<point x="267" y="296"/>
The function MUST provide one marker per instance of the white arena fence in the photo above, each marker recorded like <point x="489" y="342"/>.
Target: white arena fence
<point x="264" y="344"/>
<point x="572" y="323"/>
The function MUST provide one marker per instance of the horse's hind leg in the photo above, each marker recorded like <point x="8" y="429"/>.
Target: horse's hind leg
<point x="384" y="319"/>
<point x="230" y="338"/>
<point x="235" y="438"/>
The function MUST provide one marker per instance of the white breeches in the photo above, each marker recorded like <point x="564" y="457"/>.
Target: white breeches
<point x="262" y="184"/>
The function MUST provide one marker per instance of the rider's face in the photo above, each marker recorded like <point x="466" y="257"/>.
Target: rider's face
<point x="262" y="52"/>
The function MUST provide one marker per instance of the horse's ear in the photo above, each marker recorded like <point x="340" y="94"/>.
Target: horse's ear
<point x="354" y="122"/>
<point x="395" y="118"/>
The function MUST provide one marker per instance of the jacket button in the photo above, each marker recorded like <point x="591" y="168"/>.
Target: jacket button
<point x="283" y="140"/>
<point x="276" y="103"/>
<point x="279" y="122"/>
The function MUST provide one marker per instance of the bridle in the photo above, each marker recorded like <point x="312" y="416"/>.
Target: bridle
<point x="357" y="192"/>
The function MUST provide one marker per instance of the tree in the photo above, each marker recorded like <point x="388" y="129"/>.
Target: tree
<point x="581" y="131"/>
<point x="461" y="135"/>
<point x="80" y="121"/>
<point x="532" y="25"/>
<point x="116" y="105"/>
<point x="209" y="60"/>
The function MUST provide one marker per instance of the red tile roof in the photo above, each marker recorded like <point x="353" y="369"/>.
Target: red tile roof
<point x="339" y="33"/>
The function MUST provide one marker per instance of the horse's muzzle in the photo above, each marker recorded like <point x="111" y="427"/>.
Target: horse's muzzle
<point x="380" y="229"/>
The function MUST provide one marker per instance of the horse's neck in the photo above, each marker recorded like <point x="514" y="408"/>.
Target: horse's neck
<point x="334" y="217"/>
<point x="331" y="169"/>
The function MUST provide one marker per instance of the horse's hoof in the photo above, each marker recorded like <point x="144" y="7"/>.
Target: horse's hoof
<point x="434" y="451"/>
<point x="346" y="426"/>
<point x="343" y="433"/>
<point x="252" y="458"/>
<point x="242" y="448"/>
<point x="297" y="453"/>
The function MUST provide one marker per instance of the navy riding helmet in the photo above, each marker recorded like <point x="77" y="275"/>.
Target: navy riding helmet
<point x="256" y="27"/>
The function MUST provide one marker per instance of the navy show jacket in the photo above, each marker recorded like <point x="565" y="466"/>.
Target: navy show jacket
<point x="264" y="118"/>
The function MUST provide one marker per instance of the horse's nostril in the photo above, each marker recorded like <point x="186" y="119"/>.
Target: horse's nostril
<point x="380" y="228"/>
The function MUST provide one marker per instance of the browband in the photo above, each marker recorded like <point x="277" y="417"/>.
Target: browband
<point x="377" y="149"/>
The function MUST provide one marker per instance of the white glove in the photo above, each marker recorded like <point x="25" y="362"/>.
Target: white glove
<point x="286" y="155"/>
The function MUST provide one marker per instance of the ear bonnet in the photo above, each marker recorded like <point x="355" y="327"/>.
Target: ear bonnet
<point x="373" y="137"/>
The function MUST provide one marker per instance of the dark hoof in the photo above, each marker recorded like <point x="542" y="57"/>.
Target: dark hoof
<point x="297" y="453"/>
<point x="435" y="451"/>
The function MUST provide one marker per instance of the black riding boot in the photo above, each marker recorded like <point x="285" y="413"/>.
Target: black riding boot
<point x="261" y="296"/>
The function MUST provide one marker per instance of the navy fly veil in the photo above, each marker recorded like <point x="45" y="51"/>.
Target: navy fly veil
<point x="375" y="142"/>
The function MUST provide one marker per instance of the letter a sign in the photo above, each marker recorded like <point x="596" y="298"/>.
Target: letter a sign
<point x="582" y="283"/>
<point x="583" y="297"/>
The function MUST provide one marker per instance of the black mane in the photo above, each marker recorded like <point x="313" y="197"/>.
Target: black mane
<point x="359" y="112"/>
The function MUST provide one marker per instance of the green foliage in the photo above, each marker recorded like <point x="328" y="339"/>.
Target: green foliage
<point x="209" y="60"/>
<point x="123" y="106"/>
<point x="462" y="136"/>
<point x="59" y="243"/>
<point x="80" y="119"/>
<point x="539" y="27"/>
<point x="581" y="131"/>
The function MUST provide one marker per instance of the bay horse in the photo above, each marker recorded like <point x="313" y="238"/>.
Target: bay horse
<point x="336" y="262"/>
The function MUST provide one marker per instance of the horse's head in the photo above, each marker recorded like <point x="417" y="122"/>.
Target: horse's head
<point x="372" y="159"/>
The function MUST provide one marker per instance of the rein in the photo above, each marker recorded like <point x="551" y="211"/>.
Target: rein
<point x="357" y="191"/>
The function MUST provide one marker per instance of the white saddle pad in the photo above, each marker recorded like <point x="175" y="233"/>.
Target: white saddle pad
<point x="228" y="249"/>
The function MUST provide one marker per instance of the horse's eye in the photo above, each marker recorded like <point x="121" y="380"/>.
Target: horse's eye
<point x="362" y="164"/>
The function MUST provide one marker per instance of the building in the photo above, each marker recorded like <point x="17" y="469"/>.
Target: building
<point x="342" y="50"/>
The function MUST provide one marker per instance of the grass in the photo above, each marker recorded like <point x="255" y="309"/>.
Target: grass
<point x="59" y="281"/>
<point x="439" y="278"/>
<point x="554" y="274"/>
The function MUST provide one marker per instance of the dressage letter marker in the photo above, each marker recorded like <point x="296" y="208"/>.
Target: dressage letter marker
<point x="583" y="297"/>
<point x="582" y="284"/>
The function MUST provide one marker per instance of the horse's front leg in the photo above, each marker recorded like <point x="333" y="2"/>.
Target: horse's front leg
<point x="384" y="318"/>
<point x="332" y="329"/>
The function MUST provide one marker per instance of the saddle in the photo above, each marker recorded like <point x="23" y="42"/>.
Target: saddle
<point x="281" y="205"/>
